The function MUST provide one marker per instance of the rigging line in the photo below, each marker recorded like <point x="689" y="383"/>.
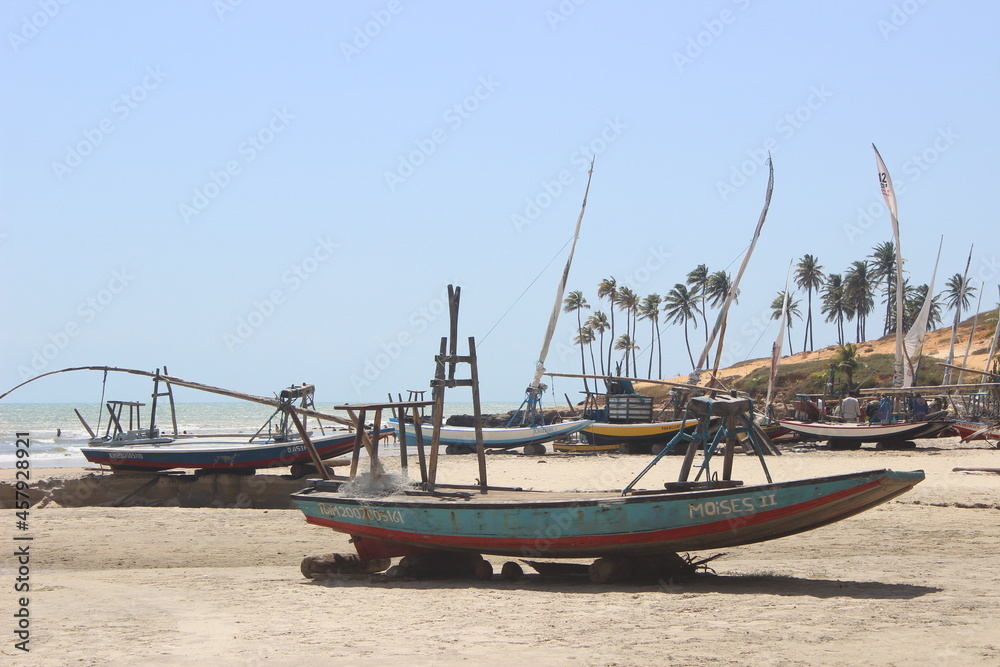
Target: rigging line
<point x="533" y="281"/>
<point x="752" y="347"/>
<point x="100" y="408"/>
<point x="742" y="252"/>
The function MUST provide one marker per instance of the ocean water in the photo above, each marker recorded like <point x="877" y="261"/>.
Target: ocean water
<point x="56" y="434"/>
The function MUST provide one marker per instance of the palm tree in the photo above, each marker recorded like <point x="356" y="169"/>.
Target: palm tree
<point x="835" y="305"/>
<point x="585" y="336"/>
<point x="627" y="345"/>
<point x="628" y="302"/>
<point x="575" y="302"/>
<point x="958" y="293"/>
<point x="846" y="359"/>
<point x="883" y="268"/>
<point x="649" y="309"/>
<point x="680" y="307"/>
<point x="598" y="323"/>
<point x="793" y="311"/>
<point x="609" y="288"/>
<point x="858" y="292"/>
<point x="913" y="301"/>
<point x="698" y="281"/>
<point x="719" y="284"/>
<point x="808" y="276"/>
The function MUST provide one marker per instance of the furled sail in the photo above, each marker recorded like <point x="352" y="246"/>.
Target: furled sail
<point x="890" y="199"/>
<point x="913" y="343"/>
<point x="778" y="344"/>
<point x="557" y="306"/>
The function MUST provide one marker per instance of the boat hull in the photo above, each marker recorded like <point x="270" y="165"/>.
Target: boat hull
<point x="860" y="432"/>
<point x="555" y="525"/>
<point x="494" y="438"/>
<point x="634" y="438"/>
<point x="976" y="431"/>
<point x="219" y="456"/>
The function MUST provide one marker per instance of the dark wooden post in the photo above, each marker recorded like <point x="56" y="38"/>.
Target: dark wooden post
<point x="478" y="414"/>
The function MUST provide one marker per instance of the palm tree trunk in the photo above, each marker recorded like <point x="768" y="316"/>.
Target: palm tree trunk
<point x="611" y="343"/>
<point x="687" y="343"/>
<point x="635" y="327"/>
<point x="601" y="348"/>
<point x="809" y="322"/>
<point x="659" y="350"/>
<point x="652" y="334"/>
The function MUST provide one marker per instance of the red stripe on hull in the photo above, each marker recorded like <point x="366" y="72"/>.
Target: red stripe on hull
<point x="592" y="543"/>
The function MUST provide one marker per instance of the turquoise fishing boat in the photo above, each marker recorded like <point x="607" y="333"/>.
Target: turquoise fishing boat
<point x="533" y="524"/>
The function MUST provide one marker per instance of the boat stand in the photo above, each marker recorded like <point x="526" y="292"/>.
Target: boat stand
<point x="732" y="410"/>
<point x="446" y="363"/>
<point x="359" y="412"/>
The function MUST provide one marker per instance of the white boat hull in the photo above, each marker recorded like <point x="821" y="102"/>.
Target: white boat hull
<point x="856" y="432"/>
<point x="494" y="438"/>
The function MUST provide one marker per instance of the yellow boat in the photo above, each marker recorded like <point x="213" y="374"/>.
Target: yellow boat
<point x="638" y="438"/>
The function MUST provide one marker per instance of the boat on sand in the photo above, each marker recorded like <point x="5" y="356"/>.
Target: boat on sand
<point x="705" y="508"/>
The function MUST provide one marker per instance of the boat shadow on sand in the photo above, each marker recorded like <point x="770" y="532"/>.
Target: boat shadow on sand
<point x="756" y="584"/>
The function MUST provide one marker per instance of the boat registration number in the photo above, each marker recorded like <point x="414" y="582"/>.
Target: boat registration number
<point x="728" y="506"/>
<point x="365" y="513"/>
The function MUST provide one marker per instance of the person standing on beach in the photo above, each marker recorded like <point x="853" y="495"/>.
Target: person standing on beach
<point x="849" y="409"/>
<point x="885" y="409"/>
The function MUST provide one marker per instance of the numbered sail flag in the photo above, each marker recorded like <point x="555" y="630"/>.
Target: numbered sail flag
<point x="890" y="195"/>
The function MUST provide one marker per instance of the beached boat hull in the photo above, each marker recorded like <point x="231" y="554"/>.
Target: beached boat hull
<point x="218" y="456"/>
<point x="976" y="431"/>
<point x="585" y="525"/>
<point x="464" y="437"/>
<point x="860" y="432"/>
<point x="634" y="438"/>
<point x="585" y="448"/>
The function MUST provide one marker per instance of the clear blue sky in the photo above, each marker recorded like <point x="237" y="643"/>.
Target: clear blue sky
<point x="270" y="193"/>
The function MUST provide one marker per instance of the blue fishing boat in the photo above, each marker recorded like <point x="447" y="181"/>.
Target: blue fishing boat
<point x="531" y="524"/>
<point x="282" y="441"/>
<point x="139" y="453"/>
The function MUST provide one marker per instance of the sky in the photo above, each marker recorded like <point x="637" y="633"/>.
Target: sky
<point x="259" y="194"/>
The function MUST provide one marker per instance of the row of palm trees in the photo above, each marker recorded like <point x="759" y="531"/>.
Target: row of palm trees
<point x="844" y="297"/>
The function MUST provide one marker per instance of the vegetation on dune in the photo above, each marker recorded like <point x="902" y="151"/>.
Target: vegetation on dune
<point x="851" y="296"/>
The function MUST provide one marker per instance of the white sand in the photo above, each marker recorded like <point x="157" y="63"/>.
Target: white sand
<point x="913" y="582"/>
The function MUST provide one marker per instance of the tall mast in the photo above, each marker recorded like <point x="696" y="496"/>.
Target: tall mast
<point x="720" y="322"/>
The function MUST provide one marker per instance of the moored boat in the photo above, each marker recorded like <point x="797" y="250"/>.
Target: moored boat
<point x="968" y="431"/>
<point x="642" y="437"/>
<point x="219" y="455"/>
<point x="859" y="433"/>
<point x="462" y="439"/>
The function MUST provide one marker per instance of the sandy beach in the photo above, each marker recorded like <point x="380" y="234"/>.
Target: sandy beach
<point x="913" y="582"/>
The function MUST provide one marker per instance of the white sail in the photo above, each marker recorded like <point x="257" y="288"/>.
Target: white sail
<point x="557" y="306"/>
<point x="913" y="344"/>
<point x="778" y="343"/>
<point x="890" y="199"/>
<point x="736" y="281"/>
